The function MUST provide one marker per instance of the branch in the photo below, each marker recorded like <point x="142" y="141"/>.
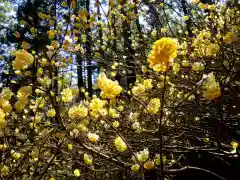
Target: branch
<point x="174" y="171"/>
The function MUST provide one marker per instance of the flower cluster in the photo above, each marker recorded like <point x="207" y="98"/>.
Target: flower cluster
<point x="203" y="45"/>
<point x="120" y="144"/>
<point x="109" y="89"/>
<point x="23" y="59"/>
<point x="79" y="111"/>
<point x="22" y="95"/>
<point x="162" y="54"/>
<point x="212" y="88"/>
<point x="153" y="105"/>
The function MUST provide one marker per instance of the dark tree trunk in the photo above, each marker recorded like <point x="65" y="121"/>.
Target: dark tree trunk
<point x="129" y="51"/>
<point x="88" y="52"/>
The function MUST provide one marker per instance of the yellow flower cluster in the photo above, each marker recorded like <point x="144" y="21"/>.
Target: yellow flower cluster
<point x="23" y="59"/>
<point x="148" y="165"/>
<point x="96" y="107"/>
<point x="76" y="173"/>
<point x="2" y="119"/>
<point x="25" y="45"/>
<point x="212" y="88"/>
<point x="6" y="106"/>
<point x="113" y="113"/>
<point x="79" y="111"/>
<point x="203" y="45"/>
<point x="43" y="16"/>
<point x="67" y="95"/>
<point x="52" y="34"/>
<point x="197" y="66"/>
<point x="143" y="156"/>
<point x="87" y="159"/>
<point x="120" y="144"/>
<point x="51" y="113"/>
<point x="148" y="83"/>
<point x="4" y="169"/>
<point x="92" y="137"/>
<point x="230" y="37"/>
<point x="162" y="54"/>
<point x="22" y="95"/>
<point x="15" y="155"/>
<point x="109" y="89"/>
<point x="5" y="96"/>
<point x="82" y="128"/>
<point x="138" y="90"/>
<point x="135" y="167"/>
<point x="153" y="105"/>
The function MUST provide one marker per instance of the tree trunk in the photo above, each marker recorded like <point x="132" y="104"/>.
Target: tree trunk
<point x="88" y="52"/>
<point x="129" y="51"/>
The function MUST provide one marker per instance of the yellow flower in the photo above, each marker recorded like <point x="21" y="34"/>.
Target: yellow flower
<point x="234" y="145"/>
<point x="144" y="69"/>
<point x="211" y="7"/>
<point x="82" y="128"/>
<point x="203" y="46"/>
<point x="115" y="124"/>
<point x="163" y="30"/>
<point x="52" y="34"/>
<point x="157" y="159"/>
<point x="23" y="59"/>
<point x="135" y="167"/>
<point x="25" y="45"/>
<point x="96" y="104"/>
<point x="24" y="91"/>
<point x="79" y="111"/>
<point x="185" y="63"/>
<point x="153" y="105"/>
<point x="3" y="146"/>
<point x="138" y="90"/>
<point x="148" y="165"/>
<point x="6" y="94"/>
<point x="120" y="108"/>
<point x="76" y="173"/>
<point x="43" y="16"/>
<point x="163" y="52"/>
<point x="2" y="115"/>
<point x="142" y="156"/>
<point x="67" y="95"/>
<point x="92" y="137"/>
<point x="70" y="147"/>
<point x="197" y="66"/>
<point x="113" y="113"/>
<point x="15" y="155"/>
<point x="229" y="37"/>
<point x="87" y="159"/>
<point x="6" y="106"/>
<point x="212" y="88"/>
<point x="147" y="83"/>
<point x="176" y="68"/>
<point x="120" y="144"/>
<point x="109" y="89"/>
<point x="185" y="18"/>
<point x="4" y="169"/>
<point x="203" y="6"/>
<point x="51" y="113"/>
<point x="195" y="1"/>
<point x="154" y="33"/>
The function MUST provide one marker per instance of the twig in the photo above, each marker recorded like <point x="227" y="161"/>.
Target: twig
<point x="174" y="171"/>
